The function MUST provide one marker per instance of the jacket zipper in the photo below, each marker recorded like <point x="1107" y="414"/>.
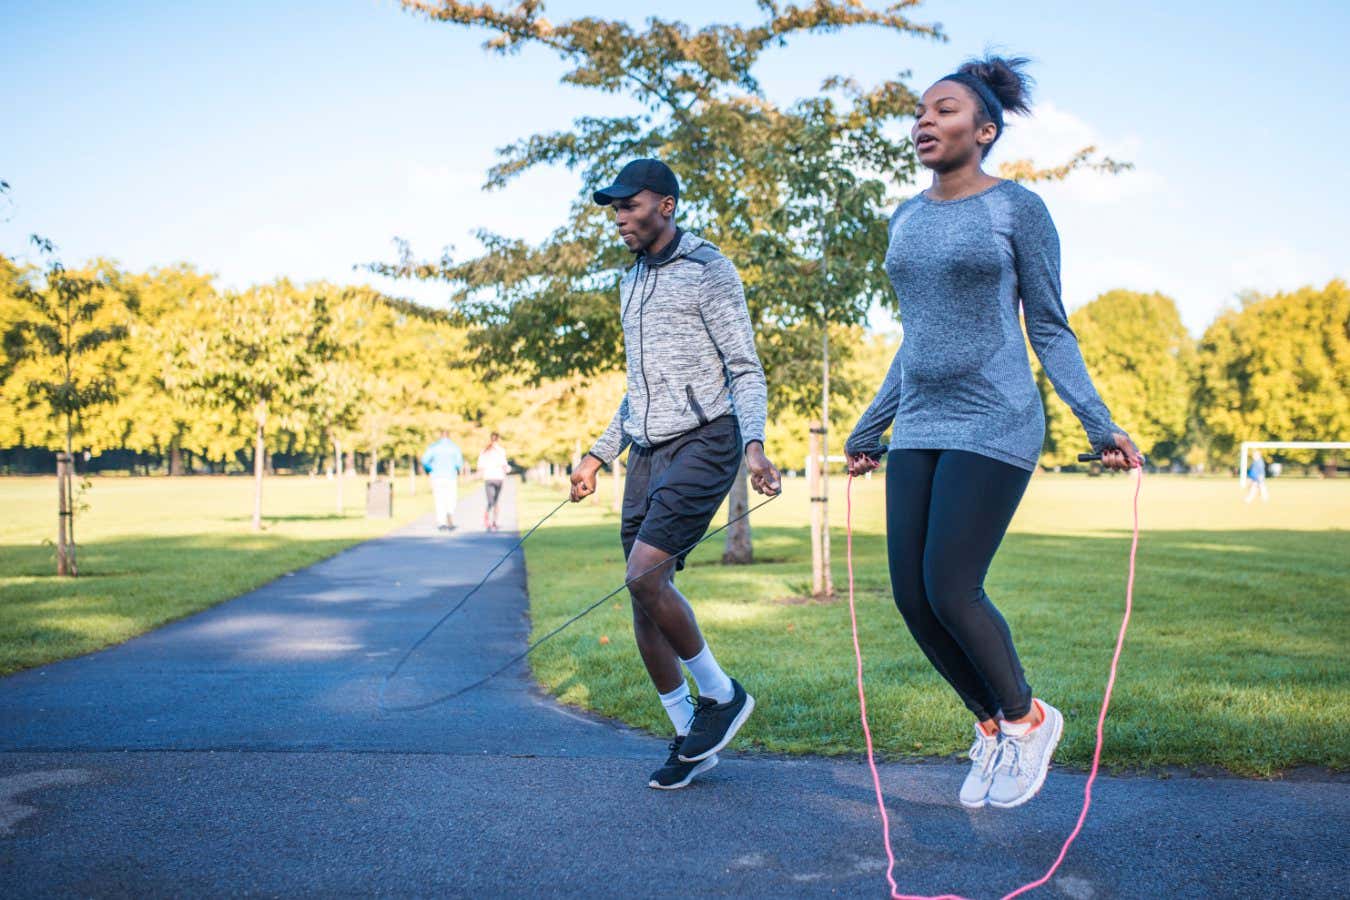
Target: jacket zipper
<point x="644" y="296"/>
<point x="642" y="357"/>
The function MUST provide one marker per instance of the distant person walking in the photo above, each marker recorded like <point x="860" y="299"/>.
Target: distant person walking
<point x="493" y="468"/>
<point x="1256" y="478"/>
<point x="443" y="462"/>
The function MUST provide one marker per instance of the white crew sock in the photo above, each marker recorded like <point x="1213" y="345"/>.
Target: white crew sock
<point x="678" y="707"/>
<point x="708" y="675"/>
<point x="1017" y="729"/>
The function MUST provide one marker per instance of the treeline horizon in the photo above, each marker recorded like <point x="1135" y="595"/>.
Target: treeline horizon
<point x="192" y="377"/>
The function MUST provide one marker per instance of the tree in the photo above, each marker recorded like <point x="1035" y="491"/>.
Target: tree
<point x="820" y="256"/>
<point x="1026" y="171"/>
<point x="782" y="191"/>
<point x="866" y="356"/>
<point x="148" y="415"/>
<point x="1277" y="369"/>
<point x="13" y="277"/>
<point x="1141" y="358"/>
<point x="261" y="358"/>
<point x="335" y="405"/>
<point x="414" y="378"/>
<point x="796" y="195"/>
<point x="63" y="351"/>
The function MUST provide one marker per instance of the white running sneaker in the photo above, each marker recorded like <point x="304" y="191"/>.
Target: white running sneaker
<point x="983" y="755"/>
<point x="1024" y="759"/>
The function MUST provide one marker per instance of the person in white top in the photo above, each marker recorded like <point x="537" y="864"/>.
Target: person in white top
<point x="493" y="469"/>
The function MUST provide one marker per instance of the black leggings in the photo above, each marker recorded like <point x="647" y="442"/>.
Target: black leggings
<point x="494" y="492"/>
<point x="946" y="513"/>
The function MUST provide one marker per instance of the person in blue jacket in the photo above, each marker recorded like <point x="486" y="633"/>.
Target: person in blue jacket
<point x="1256" y="478"/>
<point x="443" y="462"/>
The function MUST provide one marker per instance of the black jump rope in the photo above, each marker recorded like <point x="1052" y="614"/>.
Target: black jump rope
<point x="413" y="707"/>
<point x="407" y="654"/>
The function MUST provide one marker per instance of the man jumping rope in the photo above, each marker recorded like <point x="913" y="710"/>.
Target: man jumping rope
<point x="696" y="400"/>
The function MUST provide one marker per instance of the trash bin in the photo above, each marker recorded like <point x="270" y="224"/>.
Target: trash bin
<point x="379" y="499"/>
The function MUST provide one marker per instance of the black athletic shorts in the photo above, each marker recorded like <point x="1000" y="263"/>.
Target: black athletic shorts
<point x="673" y="490"/>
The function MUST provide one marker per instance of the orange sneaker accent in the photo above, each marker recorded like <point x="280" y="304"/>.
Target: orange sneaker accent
<point x="1036" y="703"/>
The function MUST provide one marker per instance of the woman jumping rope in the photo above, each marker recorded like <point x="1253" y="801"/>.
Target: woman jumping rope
<point x="966" y="417"/>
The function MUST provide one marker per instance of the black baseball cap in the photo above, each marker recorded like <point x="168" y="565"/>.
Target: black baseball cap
<point x="651" y="174"/>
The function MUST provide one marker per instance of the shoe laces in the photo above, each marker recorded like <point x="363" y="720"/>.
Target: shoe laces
<point x="1010" y="757"/>
<point x="701" y="706"/>
<point x="984" y="752"/>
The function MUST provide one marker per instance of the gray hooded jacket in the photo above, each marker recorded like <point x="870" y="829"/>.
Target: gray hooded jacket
<point x="690" y="348"/>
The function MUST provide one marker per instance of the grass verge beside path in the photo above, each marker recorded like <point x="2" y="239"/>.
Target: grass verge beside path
<point x="1235" y="657"/>
<point x="156" y="549"/>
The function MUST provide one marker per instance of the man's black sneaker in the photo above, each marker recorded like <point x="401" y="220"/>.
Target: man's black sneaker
<point x="715" y="724"/>
<point x="675" y="774"/>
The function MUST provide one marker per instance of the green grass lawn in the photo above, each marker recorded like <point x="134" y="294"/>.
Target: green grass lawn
<point x="156" y="549"/>
<point x="1236" y="655"/>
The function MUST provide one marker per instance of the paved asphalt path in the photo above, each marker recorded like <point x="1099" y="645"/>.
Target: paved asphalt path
<point x="242" y="751"/>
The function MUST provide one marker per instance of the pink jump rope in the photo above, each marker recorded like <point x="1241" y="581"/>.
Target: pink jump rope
<point x="1101" y="717"/>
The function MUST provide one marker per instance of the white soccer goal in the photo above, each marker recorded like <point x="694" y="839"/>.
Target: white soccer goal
<point x="1248" y="446"/>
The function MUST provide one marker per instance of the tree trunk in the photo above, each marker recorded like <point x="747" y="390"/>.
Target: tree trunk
<point x="338" y="460"/>
<point x="825" y="466"/>
<point x="813" y="489"/>
<point x="820" y="497"/>
<point x="65" y="550"/>
<point x="259" y="458"/>
<point x="175" y="458"/>
<point x="72" y="566"/>
<point x="739" y="549"/>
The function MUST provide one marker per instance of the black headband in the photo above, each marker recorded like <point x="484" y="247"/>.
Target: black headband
<point x="992" y="106"/>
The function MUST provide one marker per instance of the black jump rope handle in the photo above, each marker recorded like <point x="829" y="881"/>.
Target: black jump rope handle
<point x="1091" y="457"/>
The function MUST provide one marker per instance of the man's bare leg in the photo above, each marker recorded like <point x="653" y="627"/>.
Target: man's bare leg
<point x="663" y="620"/>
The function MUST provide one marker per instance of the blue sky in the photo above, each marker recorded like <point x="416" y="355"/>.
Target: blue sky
<point x="259" y="139"/>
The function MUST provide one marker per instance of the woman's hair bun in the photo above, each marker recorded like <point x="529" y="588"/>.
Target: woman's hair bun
<point x="1005" y="77"/>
